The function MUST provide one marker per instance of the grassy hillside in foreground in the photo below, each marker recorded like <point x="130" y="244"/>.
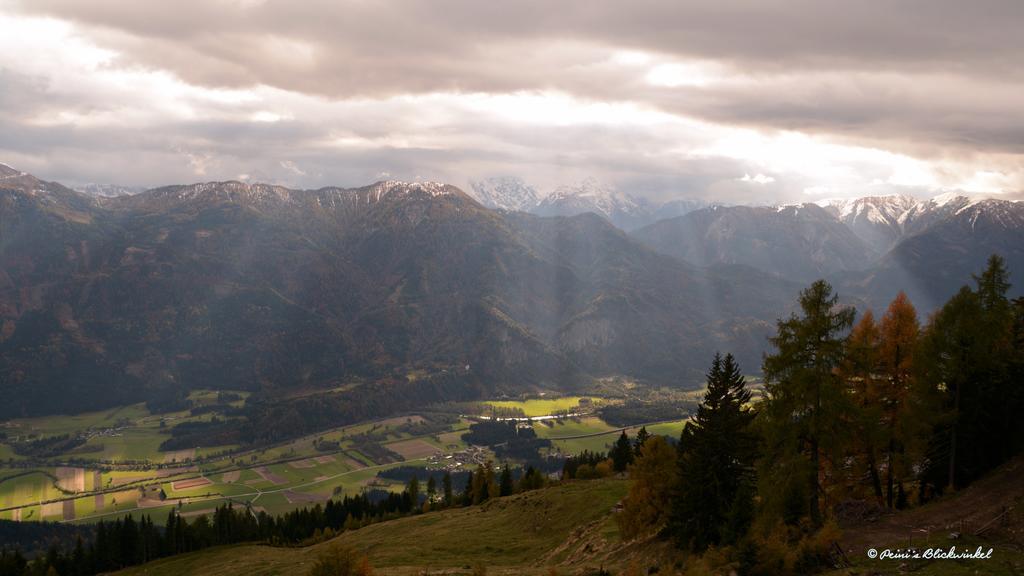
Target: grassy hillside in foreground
<point x="523" y="533"/>
<point x="570" y="526"/>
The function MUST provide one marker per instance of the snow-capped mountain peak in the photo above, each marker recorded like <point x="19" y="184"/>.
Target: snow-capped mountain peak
<point x="878" y="209"/>
<point x="388" y="188"/>
<point x="621" y="208"/>
<point x="600" y="197"/>
<point x="947" y="199"/>
<point x="7" y="171"/>
<point x="107" y="190"/>
<point x="505" y="193"/>
<point x="599" y="193"/>
<point x="590" y="195"/>
<point x="270" y="194"/>
<point x="882" y="221"/>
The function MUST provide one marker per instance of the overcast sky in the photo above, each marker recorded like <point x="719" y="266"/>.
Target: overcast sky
<point x="759" y="101"/>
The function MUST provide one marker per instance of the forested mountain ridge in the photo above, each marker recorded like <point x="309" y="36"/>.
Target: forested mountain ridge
<point x="252" y="286"/>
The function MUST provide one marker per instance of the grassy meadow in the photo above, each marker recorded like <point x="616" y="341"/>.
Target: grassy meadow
<point x="542" y="406"/>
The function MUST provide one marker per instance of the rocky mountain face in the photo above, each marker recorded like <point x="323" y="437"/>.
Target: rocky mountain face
<point x="877" y="220"/>
<point x="235" y="285"/>
<point x="883" y="221"/>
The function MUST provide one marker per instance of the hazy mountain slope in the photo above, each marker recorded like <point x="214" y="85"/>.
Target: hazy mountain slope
<point x="933" y="264"/>
<point x="678" y="207"/>
<point x="49" y="236"/>
<point x="589" y="196"/>
<point x="625" y="302"/>
<point x="797" y="242"/>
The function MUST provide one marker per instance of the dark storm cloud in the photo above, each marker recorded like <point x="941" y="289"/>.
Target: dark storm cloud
<point x="406" y="45"/>
<point x="936" y="80"/>
<point x="823" y="66"/>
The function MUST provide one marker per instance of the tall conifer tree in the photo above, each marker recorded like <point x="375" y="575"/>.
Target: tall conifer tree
<point x="621" y="453"/>
<point x="805" y="404"/>
<point x="716" y="455"/>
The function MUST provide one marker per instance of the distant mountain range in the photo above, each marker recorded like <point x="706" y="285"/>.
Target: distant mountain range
<point x="869" y="247"/>
<point x="882" y="221"/>
<point x="624" y="210"/>
<point x="105" y="300"/>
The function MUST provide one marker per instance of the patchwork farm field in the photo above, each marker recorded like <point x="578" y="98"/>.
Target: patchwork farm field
<point x="28" y="488"/>
<point x="572" y="427"/>
<point x="120" y="468"/>
<point x="410" y="449"/>
<point x="276" y="478"/>
<point x="275" y="488"/>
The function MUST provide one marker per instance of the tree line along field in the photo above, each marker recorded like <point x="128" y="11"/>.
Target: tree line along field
<point x="572" y="436"/>
<point x="130" y="473"/>
<point x="587" y="431"/>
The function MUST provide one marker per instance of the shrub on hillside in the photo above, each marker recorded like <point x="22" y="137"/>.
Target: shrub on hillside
<point x="341" y="561"/>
